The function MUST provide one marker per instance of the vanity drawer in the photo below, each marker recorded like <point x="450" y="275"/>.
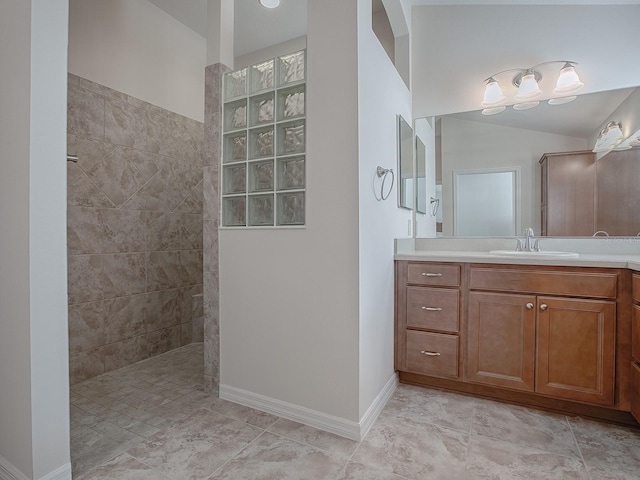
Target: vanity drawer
<point x="635" y="333"/>
<point x="578" y="284"/>
<point x="432" y="353"/>
<point x="636" y="287"/>
<point x="433" y="308"/>
<point x="433" y="274"/>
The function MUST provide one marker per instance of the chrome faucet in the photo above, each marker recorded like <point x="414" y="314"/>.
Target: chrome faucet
<point x="529" y="243"/>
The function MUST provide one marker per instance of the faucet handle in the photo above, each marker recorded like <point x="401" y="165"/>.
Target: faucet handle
<point x="519" y="245"/>
<point x="536" y="245"/>
<point x="529" y="232"/>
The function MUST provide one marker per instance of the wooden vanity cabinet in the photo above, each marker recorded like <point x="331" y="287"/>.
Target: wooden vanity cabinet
<point x="428" y="318"/>
<point x="553" y="345"/>
<point x="554" y="337"/>
<point x="635" y="348"/>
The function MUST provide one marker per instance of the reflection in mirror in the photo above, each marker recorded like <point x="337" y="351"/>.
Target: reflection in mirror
<point x="406" y="192"/>
<point x="421" y="176"/>
<point x="486" y="203"/>
<point x="518" y="139"/>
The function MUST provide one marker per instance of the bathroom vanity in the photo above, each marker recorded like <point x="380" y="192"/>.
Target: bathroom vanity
<point x="554" y="333"/>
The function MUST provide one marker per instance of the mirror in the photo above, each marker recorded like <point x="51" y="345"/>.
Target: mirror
<point x="421" y="176"/>
<point x="513" y="139"/>
<point x="406" y="191"/>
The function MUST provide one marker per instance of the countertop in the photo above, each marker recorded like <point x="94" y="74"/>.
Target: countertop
<point x="605" y="253"/>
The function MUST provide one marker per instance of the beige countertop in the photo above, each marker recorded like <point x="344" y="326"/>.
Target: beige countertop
<point x="605" y="253"/>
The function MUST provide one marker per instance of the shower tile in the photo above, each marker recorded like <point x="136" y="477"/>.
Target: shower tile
<point x="163" y="230"/>
<point x="85" y="113"/>
<point x="86" y="365"/>
<point x="164" y="270"/>
<point x="101" y="90"/>
<point x="82" y="192"/>
<point x="121" y="354"/>
<point x="191" y="232"/>
<point x="125" y="125"/>
<point x="86" y="326"/>
<point x="174" y="182"/>
<point x="116" y="177"/>
<point x="148" y="164"/>
<point x="125" y="317"/>
<point x="210" y="193"/>
<point x="105" y="230"/>
<point x="186" y="333"/>
<point x="162" y="341"/>
<point x="191" y="267"/>
<point x="125" y="274"/>
<point x="146" y="199"/>
<point x="193" y="201"/>
<point x="188" y="301"/>
<point x="90" y="151"/>
<point x="163" y="309"/>
<point x="85" y="278"/>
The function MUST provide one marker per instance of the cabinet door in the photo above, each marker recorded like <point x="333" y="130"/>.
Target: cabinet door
<point x="501" y="340"/>
<point x="635" y="390"/>
<point x="576" y="349"/>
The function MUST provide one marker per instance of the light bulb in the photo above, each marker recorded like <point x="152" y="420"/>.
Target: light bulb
<point x="269" y="3"/>
<point x="529" y="88"/>
<point x="492" y="94"/>
<point x="568" y="81"/>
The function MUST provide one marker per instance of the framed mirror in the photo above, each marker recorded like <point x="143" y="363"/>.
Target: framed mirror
<point x="421" y="176"/>
<point x="406" y="189"/>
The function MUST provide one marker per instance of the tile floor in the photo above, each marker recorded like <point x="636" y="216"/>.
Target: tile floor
<point x="151" y="421"/>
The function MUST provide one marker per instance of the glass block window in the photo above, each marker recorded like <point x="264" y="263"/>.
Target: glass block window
<point x="264" y="144"/>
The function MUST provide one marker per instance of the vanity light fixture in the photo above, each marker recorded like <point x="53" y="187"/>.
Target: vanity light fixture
<point x="527" y="81"/>
<point x="609" y="138"/>
<point x="630" y="142"/>
<point x="269" y="3"/>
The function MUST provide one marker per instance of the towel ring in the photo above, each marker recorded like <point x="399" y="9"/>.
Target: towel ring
<point x="384" y="173"/>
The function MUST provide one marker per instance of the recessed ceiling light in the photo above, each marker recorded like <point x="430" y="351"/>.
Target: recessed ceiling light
<point x="269" y="3"/>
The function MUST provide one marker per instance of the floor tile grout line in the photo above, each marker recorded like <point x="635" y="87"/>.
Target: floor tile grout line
<point x="586" y="467"/>
<point x="233" y="457"/>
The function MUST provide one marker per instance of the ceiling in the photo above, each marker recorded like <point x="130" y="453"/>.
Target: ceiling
<point x="458" y="43"/>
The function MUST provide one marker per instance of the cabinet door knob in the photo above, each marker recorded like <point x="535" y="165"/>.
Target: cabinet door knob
<point x="430" y="354"/>
<point x="431" y="274"/>
<point x="544" y="306"/>
<point x="432" y="309"/>
<point x="529" y="306"/>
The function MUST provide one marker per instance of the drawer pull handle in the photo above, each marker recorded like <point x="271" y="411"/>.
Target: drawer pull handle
<point x="529" y="306"/>
<point x="544" y="306"/>
<point x="431" y="274"/>
<point x="432" y="309"/>
<point x="430" y="354"/>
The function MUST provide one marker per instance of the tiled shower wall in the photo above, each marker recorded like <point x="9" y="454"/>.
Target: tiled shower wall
<point x="134" y="229"/>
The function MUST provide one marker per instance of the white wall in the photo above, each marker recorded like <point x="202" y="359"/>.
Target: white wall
<point x="379" y="221"/>
<point x="289" y="297"/>
<point x="15" y="368"/>
<point x="470" y="145"/>
<point x="136" y="48"/>
<point x="290" y="46"/>
<point x="34" y="398"/>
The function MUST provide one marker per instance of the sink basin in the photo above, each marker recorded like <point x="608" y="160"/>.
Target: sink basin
<point x="543" y="254"/>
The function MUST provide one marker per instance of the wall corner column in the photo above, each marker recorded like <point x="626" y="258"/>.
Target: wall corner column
<point x="219" y="55"/>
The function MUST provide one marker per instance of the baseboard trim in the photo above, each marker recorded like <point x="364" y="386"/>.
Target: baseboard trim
<point x="62" y="473"/>
<point x="9" y="472"/>
<point x="313" y="418"/>
<point x="370" y="416"/>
